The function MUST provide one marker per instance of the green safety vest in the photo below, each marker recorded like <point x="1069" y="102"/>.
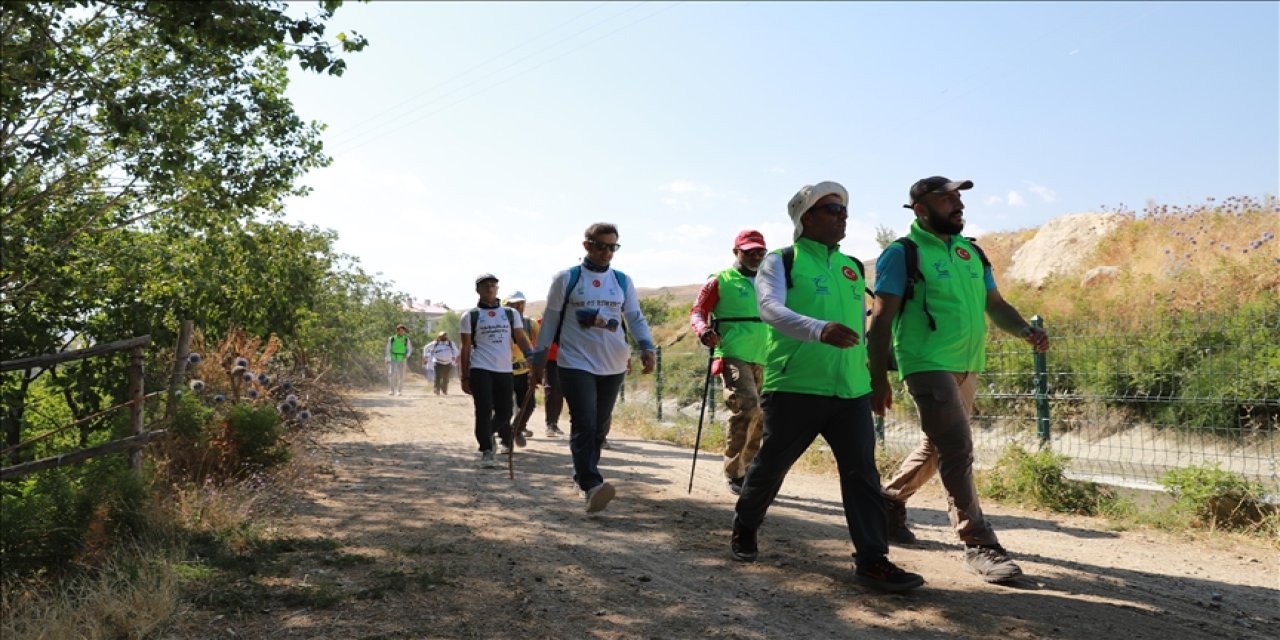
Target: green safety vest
<point x="956" y="293"/>
<point x="742" y="335"/>
<point x="826" y="286"/>
<point x="399" y="347"/>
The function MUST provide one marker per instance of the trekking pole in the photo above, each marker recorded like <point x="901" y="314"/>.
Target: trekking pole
<point x="697" y="440"/>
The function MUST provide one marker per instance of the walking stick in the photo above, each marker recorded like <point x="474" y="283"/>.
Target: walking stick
<point x="697" y="440"/>
<point x="522" y="419"/>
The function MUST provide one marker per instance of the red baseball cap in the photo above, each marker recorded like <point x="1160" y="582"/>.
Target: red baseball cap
<point x="749" y="239"/>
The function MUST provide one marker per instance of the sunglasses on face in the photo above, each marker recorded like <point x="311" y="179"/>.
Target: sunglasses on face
<point x="833" y="208"/>
<point x="596" y="244"/>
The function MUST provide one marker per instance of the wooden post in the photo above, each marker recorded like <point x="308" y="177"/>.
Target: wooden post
<point x="136" y="393"/>
<point x="179" y="370"/>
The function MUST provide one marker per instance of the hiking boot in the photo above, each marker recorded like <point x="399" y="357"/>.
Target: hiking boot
<point x="735" y="485"/>
<point x="519" y="438"/>
<point x="897" y="530"/>
<point x="553" y="431"/>
<point x="486" y="460"/>
<point x="598" y="497"/>
<point x="528" y="433"/>
<point x="886" y="576"/>
<point x="743" y="543"/>
<point x="990" y="562"/>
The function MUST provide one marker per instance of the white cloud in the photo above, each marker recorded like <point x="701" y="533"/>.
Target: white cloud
<point x="1015" y="199"/>
<point x="994" y="200"/>
<point x="1046" y="194"/>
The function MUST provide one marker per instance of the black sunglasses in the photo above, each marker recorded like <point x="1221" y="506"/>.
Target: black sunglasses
<point x="833" y="208"/>
<point x="604" y="245"/>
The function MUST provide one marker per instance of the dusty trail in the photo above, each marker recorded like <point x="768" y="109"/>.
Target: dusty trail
<point x="466" y="553"/>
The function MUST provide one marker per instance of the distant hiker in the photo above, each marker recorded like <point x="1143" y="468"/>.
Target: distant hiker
<point x="816" y="383"/>
<point x="590" y="308"/>
<point x="520" y="364"/>
<point x="725" y="317"/>
<point x="399" y="346"/>
<point x="488" y="331"/>
<point x="551" y="390"/>
<point x="933" y="309"/>
<point x="438" y="358"/>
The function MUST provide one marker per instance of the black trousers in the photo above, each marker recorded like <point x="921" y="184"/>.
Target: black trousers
<point x="491" y="392"/>
<point x="792" y="421"/>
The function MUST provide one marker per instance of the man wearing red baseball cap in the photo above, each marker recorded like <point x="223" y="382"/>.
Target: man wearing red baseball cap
<point x="725" y="318"/>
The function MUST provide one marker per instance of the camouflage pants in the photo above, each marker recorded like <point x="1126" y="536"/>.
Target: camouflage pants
<point x="742" y="382"/>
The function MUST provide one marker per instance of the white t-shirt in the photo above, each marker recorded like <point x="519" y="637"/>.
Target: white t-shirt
<point x="490" y="338"/>
<point x="440" y="352"/>
<point x="601" y="348"/>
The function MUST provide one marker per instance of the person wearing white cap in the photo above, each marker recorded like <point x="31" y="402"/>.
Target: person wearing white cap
<point x="488" y="331"/>
<point x="438" y="358"/>
<point x="934" y="313"/>
<point x="520" y="364"/>
<point x="816" y="382"/>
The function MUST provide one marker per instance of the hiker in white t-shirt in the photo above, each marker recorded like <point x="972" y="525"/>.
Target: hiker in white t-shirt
<point x="438" y="358"/>
<point x="590" y="309"/>
<point x="487" y="333"/>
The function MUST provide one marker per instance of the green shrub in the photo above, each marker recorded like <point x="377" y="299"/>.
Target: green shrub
<point x="253" y="435"/>
<point x="1215" y="498"/>
<point x="1037" y="480"/>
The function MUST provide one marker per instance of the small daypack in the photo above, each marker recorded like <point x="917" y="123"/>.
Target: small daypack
<point x="911" y="252"/>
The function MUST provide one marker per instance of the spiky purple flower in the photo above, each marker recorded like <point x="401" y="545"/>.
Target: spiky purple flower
<point x="251" y="394"/>
<point x="194" y="358"/>
<point x="218" y="399"/>
<point x="196" y="385"/>
<point x="248" y="376"/>
<point x="242" y="362"/>
<point x="304" y="414"/>
<point x="262" y="377"/>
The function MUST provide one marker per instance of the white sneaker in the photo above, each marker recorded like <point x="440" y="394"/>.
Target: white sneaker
<point x="486" y="460"/>
<point x="520" y="441"/>
<point x="503" y="450"/>
<point x="598" y="497"/>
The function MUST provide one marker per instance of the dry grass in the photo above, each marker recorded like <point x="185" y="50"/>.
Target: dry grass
<point x="129" y="595"/>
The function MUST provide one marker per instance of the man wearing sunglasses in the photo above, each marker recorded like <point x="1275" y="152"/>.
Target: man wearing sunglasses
<point x="590" y="308"/>
<point x="816" y="382"/>
<point x="939" y="334"/>
<point x="725" y="318"/>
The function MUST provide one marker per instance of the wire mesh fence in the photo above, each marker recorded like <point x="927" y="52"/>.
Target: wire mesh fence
<point x="1125" y="400"/>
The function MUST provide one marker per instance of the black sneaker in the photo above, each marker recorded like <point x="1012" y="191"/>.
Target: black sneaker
<point x="991" y="563"/>
<point x="735" y="486"/>
<point x="886" y="576"/>
<point x="743" y="543"/>
<point x="897" y="530"/>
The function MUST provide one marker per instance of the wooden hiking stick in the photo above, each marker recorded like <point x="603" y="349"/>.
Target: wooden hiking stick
<point x="517" y="424"/>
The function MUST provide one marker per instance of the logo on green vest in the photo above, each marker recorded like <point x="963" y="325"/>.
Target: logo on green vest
<point x="940" y="267"/>
<point x="820" y="287"/>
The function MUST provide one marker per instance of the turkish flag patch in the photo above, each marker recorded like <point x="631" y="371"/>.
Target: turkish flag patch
<point x="492" y="313"/>
<point x="963" y="253"/>
<point x="849" y="273"/>
<point x="595" y="283"/>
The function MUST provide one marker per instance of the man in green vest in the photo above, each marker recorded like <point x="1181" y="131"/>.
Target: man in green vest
<point x="725" y="318"/>
<point x="816" y="383"/>
<point x="938" y="329"/>
<point x="399" y="347"/>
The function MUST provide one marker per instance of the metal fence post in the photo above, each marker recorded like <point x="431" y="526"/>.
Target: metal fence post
<point x="657" y="383"/>
<point x="1042" y="388"/>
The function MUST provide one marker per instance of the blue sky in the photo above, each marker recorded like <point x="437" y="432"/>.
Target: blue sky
<point x="473" y="137"/>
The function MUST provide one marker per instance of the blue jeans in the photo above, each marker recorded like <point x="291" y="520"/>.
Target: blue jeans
<point x="792" y="421"/>
<point x="591" y="399"/>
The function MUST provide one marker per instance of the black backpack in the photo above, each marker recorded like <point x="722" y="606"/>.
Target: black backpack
<point x="911" y="252"/>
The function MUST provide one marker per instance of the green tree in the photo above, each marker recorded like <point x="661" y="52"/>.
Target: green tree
<point x="885" y="236"/>
<point x="128" y="130"/>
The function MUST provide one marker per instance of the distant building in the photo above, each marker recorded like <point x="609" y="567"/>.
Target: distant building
<point x="428" y="312"/>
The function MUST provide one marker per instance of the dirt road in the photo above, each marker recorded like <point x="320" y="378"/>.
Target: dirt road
<point x="437" y="548"/>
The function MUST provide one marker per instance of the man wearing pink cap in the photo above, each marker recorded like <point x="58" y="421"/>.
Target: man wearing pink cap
<point x="725" y="318"/>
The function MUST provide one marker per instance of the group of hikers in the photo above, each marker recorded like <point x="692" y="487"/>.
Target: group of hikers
<point x="788" y="335"/>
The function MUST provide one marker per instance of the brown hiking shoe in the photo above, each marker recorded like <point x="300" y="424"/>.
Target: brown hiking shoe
<point x="897" y="530"/>
<point x="886" y="576"/>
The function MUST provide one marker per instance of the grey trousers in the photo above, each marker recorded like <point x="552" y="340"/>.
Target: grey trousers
<point x="944" y="401"/>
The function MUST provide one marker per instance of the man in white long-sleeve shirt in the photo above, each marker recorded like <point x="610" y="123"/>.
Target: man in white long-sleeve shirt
<point x="438" y="358"/>
<point x="590" y="307"/>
